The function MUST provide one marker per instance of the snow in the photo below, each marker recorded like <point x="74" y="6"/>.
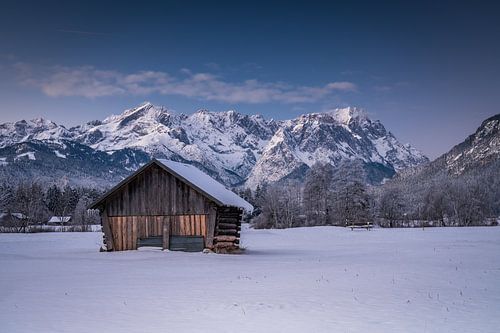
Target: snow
<point x="59" y="219"/>
<point x="30" y="155"/>
<point x="321" y="279"/>
<point x="59" y="154"/>
<point x="344" y="115"/>
<point x="206" y="183"/>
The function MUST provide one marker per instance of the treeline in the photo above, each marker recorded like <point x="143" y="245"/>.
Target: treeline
<point x="30" y="204"/>
<point x="340" y="196"/>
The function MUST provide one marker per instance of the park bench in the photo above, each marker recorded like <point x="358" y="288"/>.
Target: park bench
<point x="359" y="225"/>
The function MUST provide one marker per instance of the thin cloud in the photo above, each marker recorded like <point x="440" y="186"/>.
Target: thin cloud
<point x="382" y="88"/>
<point x="91" y="82"/>
<point x="390" y="87"/>
<point x="82" y="32"/>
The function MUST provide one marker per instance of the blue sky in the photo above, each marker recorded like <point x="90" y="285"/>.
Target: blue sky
<point x="430" y="72"/>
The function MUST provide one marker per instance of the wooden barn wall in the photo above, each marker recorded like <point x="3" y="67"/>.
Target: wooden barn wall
<point x="127" y="229"/>
<point x="156" y="192"/>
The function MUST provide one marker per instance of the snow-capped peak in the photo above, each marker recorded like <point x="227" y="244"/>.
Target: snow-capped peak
<point x="344" y="115"/>
<point x="34" y="129"/>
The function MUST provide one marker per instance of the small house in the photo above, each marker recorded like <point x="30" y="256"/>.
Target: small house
<point x="171" y="205"/>
<point x="7" y="218"/>
<point x="59" y="220"/>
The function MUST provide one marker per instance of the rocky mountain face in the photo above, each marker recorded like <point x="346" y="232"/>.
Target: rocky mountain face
<point x="478" y="150"/>
<point x="476" y="155"/>
<point x="237" y="149"/>
<point x="331" y="137"/>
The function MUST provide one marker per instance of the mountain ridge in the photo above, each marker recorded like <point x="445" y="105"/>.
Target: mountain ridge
<point x="237" y="149"/>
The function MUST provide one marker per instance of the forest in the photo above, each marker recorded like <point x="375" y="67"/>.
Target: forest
<point x="31" y="204"/>
<point x="328" y="195"/>
<point x="340" y="196"/>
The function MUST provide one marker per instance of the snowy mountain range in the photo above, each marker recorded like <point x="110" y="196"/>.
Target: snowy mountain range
<point x="237" y="149"/>
<point x="478" y="156"/>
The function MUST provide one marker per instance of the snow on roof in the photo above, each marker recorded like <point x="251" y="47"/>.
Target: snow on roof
<point x="207" y="184"/>
<point x="59" y="219"/>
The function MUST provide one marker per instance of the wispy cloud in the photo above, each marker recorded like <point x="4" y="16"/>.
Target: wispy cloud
<point x="82" y="32"/>
<point x="91" y="82"/>
<point x="390" y="87"/>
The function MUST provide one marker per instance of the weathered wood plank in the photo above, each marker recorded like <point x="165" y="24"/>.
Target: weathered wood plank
<point x="106" y="228"/>
<point x="204" y="225"/>
<point x="134" y="232"/>
<point x="166" y="232"/>
<point x="211" y="221"/>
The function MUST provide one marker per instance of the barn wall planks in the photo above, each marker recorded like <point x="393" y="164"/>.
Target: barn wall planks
<point x="127" y="229"/>
<point x="156" y="192"/>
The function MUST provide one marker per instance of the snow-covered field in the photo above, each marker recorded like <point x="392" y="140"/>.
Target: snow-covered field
<point x="322" y="279"/>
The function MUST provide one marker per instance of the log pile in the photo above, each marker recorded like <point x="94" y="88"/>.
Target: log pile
<point x="227" y="231"/>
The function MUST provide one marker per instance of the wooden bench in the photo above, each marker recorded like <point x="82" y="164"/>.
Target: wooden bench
<point x="359" y="225"/>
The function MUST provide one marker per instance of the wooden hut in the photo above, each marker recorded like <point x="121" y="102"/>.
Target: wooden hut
<point x="59" y="220"/>
<point x="172" y="205"/>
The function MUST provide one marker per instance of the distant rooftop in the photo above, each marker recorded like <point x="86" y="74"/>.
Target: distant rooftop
<point x="59" y="219"/>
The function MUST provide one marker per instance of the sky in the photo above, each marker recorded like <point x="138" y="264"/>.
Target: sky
<point x="430" y="71"/>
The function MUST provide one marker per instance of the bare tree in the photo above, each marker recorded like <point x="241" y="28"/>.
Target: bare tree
<point x="317" y="194"/>
<point x="29" y="201"/>
<point x="281" y="206"/>
<point x="391" y="205"/>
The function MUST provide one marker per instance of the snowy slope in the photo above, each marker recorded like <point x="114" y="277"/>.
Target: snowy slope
<point x="66" y="161"/>
<point x="318" y="279"/>
<point x="35" y="129"/>
<point x="478" y="154"/>
<point x="478" y="150"/>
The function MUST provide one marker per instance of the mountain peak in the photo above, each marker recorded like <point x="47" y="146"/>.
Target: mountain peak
<point x="344" y="115"/>
<point x="42" y="122"/>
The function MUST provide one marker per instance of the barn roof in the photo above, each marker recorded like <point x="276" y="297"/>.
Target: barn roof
<point x="194" y="177"/>
<point x="59" y="219"/>
<point x="207" y="184"/>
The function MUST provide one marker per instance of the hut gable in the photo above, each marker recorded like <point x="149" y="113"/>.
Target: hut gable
<point x="170" y="204"/>
<point x="206" y="184"/>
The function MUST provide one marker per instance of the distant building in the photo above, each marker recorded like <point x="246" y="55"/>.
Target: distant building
<point x="59" y="220"/>
<point x="172" y="205"/>
<point x="7" y="217"/>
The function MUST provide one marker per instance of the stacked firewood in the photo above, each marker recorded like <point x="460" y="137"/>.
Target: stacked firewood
<point x="227" y="233"/>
